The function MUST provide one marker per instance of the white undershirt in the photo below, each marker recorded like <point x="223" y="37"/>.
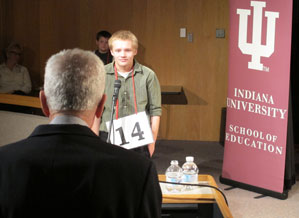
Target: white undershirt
<point x="124" y="74"/>
<point x="68" y="119"/>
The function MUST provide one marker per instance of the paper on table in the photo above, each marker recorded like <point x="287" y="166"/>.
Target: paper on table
<point x="196" y="191"/>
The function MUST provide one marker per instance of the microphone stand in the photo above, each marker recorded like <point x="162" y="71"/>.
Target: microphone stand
<point x="111" y="120"/>
<point x="117" y="85"/>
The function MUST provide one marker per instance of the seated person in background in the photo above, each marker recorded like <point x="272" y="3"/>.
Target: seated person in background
<point x="14" y="78"/>
<point x="103" y="50"/>
<point x="63" y="169"/>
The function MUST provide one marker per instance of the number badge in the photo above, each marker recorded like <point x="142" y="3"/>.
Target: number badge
<point x="131" y="131"/>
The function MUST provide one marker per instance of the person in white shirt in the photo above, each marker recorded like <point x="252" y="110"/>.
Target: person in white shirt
<point x="14" y="78"/>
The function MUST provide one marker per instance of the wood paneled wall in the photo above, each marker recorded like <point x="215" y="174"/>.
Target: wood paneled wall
<point x="20" y="23"/>
<point x="201" y="66"/>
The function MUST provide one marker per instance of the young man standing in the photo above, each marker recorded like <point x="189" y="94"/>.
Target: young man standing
<point x="103" y="51"/>
<point x="140" y="88"/>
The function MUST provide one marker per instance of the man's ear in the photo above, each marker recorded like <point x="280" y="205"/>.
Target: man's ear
<point x="100" y="107"/>
<point x="44" y="105"/>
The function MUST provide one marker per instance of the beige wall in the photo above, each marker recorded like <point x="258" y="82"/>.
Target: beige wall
<point x="47" y="26"/>
<point x="17" y="126"/>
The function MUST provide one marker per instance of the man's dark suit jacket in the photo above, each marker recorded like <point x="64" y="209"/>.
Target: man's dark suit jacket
<point x="67" y="171"/>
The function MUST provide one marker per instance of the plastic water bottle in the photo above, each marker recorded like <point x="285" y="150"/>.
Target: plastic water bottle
<point x="174" y="174"/>
<point x="190" y="173"/>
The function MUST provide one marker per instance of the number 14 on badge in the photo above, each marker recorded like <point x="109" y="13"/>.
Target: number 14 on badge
<point x="131" y="131"/>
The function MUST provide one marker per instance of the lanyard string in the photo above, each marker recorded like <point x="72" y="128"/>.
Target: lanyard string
<point x="134" y="92"/>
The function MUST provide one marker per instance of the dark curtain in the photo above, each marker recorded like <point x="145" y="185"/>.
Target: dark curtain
<point x="293" y="116"/>
<point x="290" y="172"/>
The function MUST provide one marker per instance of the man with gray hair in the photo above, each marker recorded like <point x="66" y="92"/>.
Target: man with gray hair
<point x="63" y="169"/>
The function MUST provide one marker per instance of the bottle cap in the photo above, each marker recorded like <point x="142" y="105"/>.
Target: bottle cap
<point x="174" y="162"/>
<point x="189" y="158"/>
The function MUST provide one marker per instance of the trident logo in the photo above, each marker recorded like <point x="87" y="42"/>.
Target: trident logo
<point x="256" y="49"/>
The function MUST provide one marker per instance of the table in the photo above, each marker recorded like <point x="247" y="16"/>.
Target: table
<point x="209" y="201"/>
<point x="173" y="95"/>
<point x="28" y="101"/>
<point x="21" y="104"/>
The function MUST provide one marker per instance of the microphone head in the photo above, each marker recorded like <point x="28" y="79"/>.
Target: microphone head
<point x="117" y="84"/>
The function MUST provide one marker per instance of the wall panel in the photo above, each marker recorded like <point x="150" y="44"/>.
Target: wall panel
<point x="199" y="66"/>
<point x="3" y="27"/>
<point x="22" y="26"/>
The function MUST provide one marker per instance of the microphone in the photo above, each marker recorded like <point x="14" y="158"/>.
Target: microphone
<point x="117" y="85"/>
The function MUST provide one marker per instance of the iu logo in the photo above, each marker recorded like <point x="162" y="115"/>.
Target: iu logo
<point x="256" y="49"/>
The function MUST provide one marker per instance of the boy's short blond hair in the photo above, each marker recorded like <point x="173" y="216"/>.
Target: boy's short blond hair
<point x="123" y="35"/>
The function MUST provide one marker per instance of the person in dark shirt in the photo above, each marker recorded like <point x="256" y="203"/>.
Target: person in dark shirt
<point x="63" y="169"/>
<point x="103" y="51"/>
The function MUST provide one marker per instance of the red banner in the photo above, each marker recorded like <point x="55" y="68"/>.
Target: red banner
<point x="258" y="92"/>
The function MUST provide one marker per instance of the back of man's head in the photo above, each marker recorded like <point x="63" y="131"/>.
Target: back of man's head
<point x="74" y="80"/>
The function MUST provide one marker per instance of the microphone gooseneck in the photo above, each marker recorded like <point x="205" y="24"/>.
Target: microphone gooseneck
<point x="117" y="85"/>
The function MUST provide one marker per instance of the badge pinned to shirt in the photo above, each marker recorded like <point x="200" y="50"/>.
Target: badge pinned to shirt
<point x="131" y="131"/>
